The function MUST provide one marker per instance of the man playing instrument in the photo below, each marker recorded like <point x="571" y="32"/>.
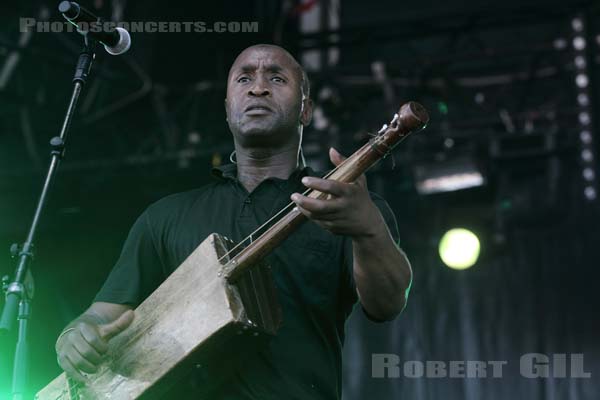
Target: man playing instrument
<point x="347" y="253"/>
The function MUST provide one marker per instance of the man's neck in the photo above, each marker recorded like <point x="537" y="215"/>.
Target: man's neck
<point x="256" y="165"/>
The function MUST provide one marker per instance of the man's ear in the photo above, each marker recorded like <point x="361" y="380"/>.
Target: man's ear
<point x="306" y="112"/>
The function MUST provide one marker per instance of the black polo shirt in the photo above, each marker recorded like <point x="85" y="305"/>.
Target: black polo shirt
<point x="312" y="270"/>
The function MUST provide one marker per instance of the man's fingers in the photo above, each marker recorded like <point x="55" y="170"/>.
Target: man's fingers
<point x="70" y="369"/>
<point x="361" y="181"/>
<point x="112" y="329"/>
<point x="326" y="185"/>
<point x="86" y="350"/>
<point x="315" y="206"/>
<point x="91" y="336"/>
<point x="318" y="218"/>
<point x="80" y="362"/>
<point x="328" y="224"/>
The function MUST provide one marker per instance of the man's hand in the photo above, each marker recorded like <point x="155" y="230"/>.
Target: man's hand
<point x="82" y="348"/>
<point x="348" y="210"/>
<point x="381" y="270"/>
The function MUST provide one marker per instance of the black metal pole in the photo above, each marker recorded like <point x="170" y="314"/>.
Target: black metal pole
<point x="19" y="292"/>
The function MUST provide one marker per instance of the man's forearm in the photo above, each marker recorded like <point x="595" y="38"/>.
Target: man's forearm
<point x="382" y="273"/>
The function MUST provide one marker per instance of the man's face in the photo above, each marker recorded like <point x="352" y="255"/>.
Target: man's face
<point x="264" y="97"/>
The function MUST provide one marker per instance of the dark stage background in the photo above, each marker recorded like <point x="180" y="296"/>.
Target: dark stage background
<point x="502" y="81"/>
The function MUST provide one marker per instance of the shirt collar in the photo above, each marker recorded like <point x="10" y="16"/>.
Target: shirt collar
<point x="226" y="171"/>
<point x="229" y="171"/>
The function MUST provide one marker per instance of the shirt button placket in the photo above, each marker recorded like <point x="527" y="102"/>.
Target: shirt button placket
<point x="246" y="212"/>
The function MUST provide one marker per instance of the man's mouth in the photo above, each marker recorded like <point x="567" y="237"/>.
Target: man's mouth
<point x="257" y="109"/>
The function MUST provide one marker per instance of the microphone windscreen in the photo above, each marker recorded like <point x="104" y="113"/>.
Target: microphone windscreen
<point x="122" y="45"/>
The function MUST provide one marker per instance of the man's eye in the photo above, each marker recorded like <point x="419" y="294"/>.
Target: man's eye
<point x="278" y="79"/>
<point x="243" y="79"/>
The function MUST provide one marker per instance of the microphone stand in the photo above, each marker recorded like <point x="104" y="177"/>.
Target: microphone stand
<point x="19" y="292"/>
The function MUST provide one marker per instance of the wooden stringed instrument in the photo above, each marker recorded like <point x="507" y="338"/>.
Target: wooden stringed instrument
<point x="219" y="303"/>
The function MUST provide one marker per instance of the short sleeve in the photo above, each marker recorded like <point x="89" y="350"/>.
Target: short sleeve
<point x="350" y="297"/>
<point x="388" y="216"/>
<point x="138" y="271"/>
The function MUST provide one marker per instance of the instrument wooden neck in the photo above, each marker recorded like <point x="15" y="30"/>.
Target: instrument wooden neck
<point x="412" y="117"/>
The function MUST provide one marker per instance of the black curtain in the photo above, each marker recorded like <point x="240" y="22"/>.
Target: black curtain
<point x="535" y="295"/>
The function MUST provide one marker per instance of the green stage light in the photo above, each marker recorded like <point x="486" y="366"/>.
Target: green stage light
<point x="459" y="248"/>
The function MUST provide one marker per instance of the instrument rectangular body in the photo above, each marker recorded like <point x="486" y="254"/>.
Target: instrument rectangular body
<point x="191" y="329"/>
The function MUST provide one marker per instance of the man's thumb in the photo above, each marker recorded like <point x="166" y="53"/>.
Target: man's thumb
<point x="335" y="157"/>
<point x="112" y="329"/>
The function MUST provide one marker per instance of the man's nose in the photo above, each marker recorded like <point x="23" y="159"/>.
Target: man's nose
<point x="259" y="88"/>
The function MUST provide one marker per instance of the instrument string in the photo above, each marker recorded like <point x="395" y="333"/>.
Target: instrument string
<point x="284" y="209"/>
<point x="393" y="123"/>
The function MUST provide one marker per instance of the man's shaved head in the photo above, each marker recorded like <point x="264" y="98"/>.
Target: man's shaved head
<point x="267" y="100"/>
<point x="271" y="47"/>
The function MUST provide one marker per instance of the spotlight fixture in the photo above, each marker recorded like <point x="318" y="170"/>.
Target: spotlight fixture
<point x="582" y="82"/>
<point x="590" y="193"/>
<point x="579" y="43"/>
<point x="459" y="248"/>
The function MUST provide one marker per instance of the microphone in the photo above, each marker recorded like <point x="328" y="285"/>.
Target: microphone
<point x="115" y="42"/>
